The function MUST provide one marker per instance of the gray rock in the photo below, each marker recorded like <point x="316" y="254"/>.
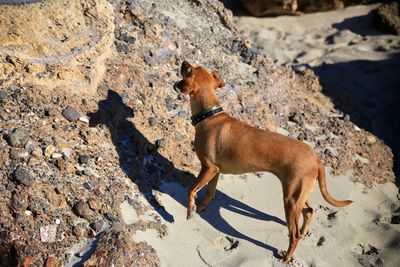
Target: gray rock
<point x="182" y="114"/>
<point x="126" y="38"/>
<point x="22" y="176"/>
<point x="18" y="137"/>
<point x="83" y="159"/>
<point x="122" y="48"/>
<point x="152" y="121"/>
<point x="71" y="114"/>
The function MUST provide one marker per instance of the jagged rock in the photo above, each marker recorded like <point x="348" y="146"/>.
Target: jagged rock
<point x="82" y="209"/>
<point x="387" y="18"/>
<point x="23" y="176"/>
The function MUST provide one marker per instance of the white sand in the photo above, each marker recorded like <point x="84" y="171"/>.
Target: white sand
<point x="251" y="210"/>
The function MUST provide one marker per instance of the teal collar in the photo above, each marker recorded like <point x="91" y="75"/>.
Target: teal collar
<point x="208" y="112"/>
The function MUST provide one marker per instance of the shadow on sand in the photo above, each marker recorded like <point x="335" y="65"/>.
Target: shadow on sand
<point x="148" y="169"/>
<point x="369" y="92"/>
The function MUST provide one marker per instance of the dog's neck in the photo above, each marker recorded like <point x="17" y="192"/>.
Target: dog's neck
<point x="202" y="101"/>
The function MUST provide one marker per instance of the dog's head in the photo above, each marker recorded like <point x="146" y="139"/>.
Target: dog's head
<point x="196" y="79"/>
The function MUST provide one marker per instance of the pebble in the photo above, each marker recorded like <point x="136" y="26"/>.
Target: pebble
<point x="178" y="136"/>
<point x="346" y="117"/>
<point x="82" y="209"/>
<point x="23" y="176"/>
<point x="381" y="165"/>
<point x="152" y="121"/>
<point x="84" y="119"/>
<point x="17" y="154"/>
<point x="126" y="38"/>
<point x="98" y="225"/>
<point x="321" y="241"/>
<point x="71" y="114"/>
<point x="87" y="186"/>
<point x="182" y="114"/>
<point x="161" y="142"/>
<point x="122" y="48"/>
<point x="56" y="155"/>
<point x="19" y="137"/>
<point x="49" y="150"/>
<point x="83" y="159"/>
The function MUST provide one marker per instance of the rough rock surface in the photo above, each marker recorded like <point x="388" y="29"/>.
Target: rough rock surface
<point x="114" y="157"/>
<point x="387" y="18"/>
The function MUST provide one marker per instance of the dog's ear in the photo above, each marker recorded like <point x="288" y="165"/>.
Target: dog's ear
<point x="186" y="69"/>
<point x="219" y="82"/>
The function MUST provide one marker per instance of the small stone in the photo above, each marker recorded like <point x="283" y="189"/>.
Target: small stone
<point x="71" y="114"/>
<point x="87" y="186"/>
<point x="23" y="176"/>
<point x="56" y="155"/>
<point x="84" y="119"/>
<point x="152" y="121"/>
<point x="3" y="234"/>
<point x="182" y="114"/>
<point x="48" y="233"/>
<point x="126" y="38"/>
<point x="70" y="168"/>
<point x="346" y="117"/>
<point x="321" y="241"/>
<point x="122" y="48"/>
<point x="328" y="152"/>
<point x="66" y="152"/>
<point x="178" y="136"/>
<point x="381" y="165"/>
<point x="16" y="153"/>
<point x="82" y="209"/>
<point x="161" y="142"/>
<point x="19" y="137"/>
<point x="49" y="150"/>
<point x="83" y="159"/>
<point x="60" y="164"/>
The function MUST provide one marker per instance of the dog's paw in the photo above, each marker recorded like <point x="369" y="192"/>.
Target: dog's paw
<point x="190" y="213"/>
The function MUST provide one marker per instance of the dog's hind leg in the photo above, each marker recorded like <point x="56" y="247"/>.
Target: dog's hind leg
<point x="295" y="196"/>
<point x="210" y="193"/>
<point x="207" y="172"/>
<point x="308" y="213"/>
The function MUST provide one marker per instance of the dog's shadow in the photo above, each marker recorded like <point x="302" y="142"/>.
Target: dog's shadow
<point x="148" y="169"/>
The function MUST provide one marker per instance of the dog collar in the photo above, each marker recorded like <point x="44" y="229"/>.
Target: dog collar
<point x="205" y="114"/>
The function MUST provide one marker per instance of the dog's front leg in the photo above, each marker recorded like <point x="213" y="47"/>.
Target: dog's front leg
<point x="207" y="172"/>
<point x="210" y="193"/>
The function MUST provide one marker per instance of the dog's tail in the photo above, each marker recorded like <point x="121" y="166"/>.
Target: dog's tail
<point x="324" y="191"/>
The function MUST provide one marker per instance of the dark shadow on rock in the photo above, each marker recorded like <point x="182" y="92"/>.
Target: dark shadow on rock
<point x="138" y="157"/>
<point x="369" y="91"/>
<point x="147" y="168"/>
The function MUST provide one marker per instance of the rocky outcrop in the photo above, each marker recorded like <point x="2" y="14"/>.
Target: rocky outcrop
<point x="55" y="44"/>
<point x="134" y="131"/>
<point x="387" y="18"/>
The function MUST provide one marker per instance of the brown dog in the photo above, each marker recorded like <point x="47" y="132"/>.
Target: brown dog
<point x="226" y="145"/>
